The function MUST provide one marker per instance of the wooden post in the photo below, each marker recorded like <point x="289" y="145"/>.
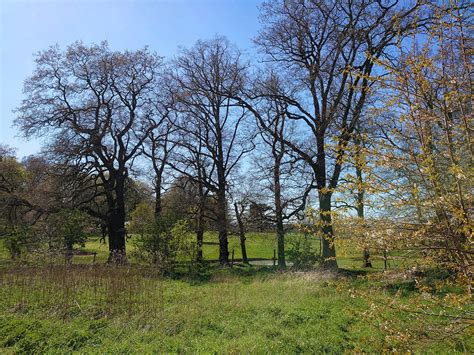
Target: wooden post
<point x="385" y="261"/>
<point x="232" y="256"/>
<point x="274" y="257"/>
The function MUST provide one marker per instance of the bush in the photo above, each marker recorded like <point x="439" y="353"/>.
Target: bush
<point x="71" y="228"/>
<point x="142" y="219"/>
<point x="62" y="231"/>
<point x="301" y="252"/>
<point x="17" y="239"/>
<point x="164" y="242"/>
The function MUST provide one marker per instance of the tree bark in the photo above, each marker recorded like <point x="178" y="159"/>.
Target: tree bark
<point x="222" y="228"/>
<point x="200" y="228"/>
<point x="158" y="206"/>
<point x="200" y="241"/>
<point x="328" y="249"/>
<point x="280" y="231"/>
<point x="221" y="193"/>
<point x="116" y="224"/>
<point x="328" y="252"/>
<point x="360" y="197"/>
<point x="200" y="214"/>
<point x="158" y="210"/>
<point x="238" y="215"/>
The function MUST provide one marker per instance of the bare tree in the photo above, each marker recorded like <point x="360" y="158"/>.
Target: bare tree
<point x="277" y="164"/>
<point x="208" y="75"/>
<point x="329" y="49"/>
<point x="96" y="107"/>
<point x="191" y="163"/>
<point x="158" y="149"/>
<point x="239" y="209"/>
<point x="359" y="162"/>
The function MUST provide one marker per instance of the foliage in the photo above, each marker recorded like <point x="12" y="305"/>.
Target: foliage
<point x="141" y="219"/>
<point x="16" y="239"/>
<point x="426" y="145"/>
<point x="163" y="241"/>
<point x="301" y="251"/>
<point x="68" y="228"/>
<point x="137" y="192"/>
<point x="56" y="235"/>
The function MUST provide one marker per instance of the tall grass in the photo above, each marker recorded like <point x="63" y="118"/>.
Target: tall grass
<point x="46" y="306"/>
<point x="64" y="291"/>
<point x="97" y="308"/>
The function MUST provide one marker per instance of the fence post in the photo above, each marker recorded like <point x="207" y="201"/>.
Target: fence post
<point x="274" y="257"/>
<point x="385" y="257"/>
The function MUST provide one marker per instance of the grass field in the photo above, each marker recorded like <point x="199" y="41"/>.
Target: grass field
<point x="95" y="308"/>
<point x="259" y="245"/>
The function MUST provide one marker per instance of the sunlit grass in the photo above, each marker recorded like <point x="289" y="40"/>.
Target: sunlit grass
<point x="95" y="308"/>
<point x="98" y="308"/>
<point x="259" y="245"/>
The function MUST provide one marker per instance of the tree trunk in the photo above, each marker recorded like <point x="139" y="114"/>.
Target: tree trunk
<point x="280" y="231"/>
<point x="199" y="232"/>
<point x="158" y="207"/>
<point x="200" y="241"/>
<point x="238" y="215"/>
<point x="366" y="255"/>
<point x="116" y="225"/>
<point x="69" y="253"/>
<point x="200" y="219"/>
<point x="222" y="228"/>
<point x="360" y="201"/>
<point x="116" y="228"/>
<point x="221" y="212"/>
<point x="328" y="248"/>
<point x="281" y="245"/>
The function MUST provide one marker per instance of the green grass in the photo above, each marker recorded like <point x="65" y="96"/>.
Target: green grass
<point x="102" y="309"/>
<point x="95" y="308"/>
<point x="263" y="245"/>
<point x="259" y="245"/>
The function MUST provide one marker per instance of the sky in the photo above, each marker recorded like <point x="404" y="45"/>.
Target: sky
<point x="28" y="26"/>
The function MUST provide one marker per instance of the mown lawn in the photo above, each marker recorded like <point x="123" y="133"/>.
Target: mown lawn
<point x="259" y="245"/>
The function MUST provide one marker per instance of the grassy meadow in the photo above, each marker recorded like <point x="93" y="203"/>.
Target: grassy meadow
<point x="260" y="245"/>
<point x="96" y="308"/>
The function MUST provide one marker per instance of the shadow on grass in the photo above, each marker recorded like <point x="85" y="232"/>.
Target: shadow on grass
<point x="353" y="273"/>
<point x="246" y="273"/>
<point x="212" y="272"/>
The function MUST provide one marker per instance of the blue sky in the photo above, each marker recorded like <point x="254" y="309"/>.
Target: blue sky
<point x="28" y="26"/>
